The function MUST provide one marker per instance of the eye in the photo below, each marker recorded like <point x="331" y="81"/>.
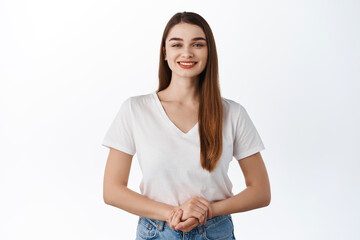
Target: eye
<point x="199" y="44"/>
<point x="175" y="45"/>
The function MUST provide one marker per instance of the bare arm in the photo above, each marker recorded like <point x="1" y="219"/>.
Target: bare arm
<point x="257" y="193"/>
<point x="117" y="194"/>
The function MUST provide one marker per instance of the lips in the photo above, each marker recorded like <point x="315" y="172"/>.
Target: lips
<point x="187" y="65"/>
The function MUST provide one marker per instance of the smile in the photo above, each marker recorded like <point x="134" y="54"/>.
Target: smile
<point x="187" y="65"/>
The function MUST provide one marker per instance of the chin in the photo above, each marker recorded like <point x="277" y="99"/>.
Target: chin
<point x="190" y="76"/>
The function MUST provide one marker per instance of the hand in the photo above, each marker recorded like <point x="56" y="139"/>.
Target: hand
<point x="197" y="207"/>
<point x="174" y="221"/>
<point x="174" y="217"/>
<point x="187" y="221"/>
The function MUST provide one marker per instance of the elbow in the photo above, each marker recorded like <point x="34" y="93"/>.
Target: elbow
<point x="107" y="195"/>
<point x="106" y="198"/>
<point x="112" y="192"/>
<point x="264" y="196"/>
<point x="267" y="199"/>
<point x="264" y="202"/>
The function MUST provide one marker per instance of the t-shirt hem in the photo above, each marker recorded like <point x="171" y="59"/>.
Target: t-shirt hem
<point x="249" y="152"/>
<point x="118" y="147"/>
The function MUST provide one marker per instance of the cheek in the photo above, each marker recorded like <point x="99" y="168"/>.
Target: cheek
<point x="204" y="55"/>
<point x="170" y="55"/>
<point x="171" y="61"/>
<point x="205" y="58"/>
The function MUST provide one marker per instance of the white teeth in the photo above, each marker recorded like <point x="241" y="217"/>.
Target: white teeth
<point x="186" y="63"/>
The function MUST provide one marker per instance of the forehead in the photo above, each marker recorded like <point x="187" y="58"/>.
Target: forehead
<point x="185" y="31"/>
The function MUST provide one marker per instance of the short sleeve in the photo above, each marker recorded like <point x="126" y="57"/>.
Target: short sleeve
<point x="120" y="134"/>
<point x="247" y="140"/>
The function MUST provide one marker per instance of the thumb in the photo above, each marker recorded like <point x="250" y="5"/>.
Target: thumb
<point x="188" y="222"/>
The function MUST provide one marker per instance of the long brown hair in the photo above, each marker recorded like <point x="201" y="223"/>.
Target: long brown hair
<point x="210" y="106"/>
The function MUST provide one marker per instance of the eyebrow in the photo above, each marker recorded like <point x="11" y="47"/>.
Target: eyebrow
<point x="180" y="39"/>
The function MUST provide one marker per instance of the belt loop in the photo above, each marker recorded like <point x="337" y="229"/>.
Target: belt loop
<point x="160" y="225"/>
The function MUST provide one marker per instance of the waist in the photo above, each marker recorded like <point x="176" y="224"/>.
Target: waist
<point x="163" y="224"/>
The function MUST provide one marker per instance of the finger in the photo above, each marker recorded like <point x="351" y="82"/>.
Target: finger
<point x="168" y="220"/>
<point x="210" y="214"/>
<point x="201" y="216"/>
<point x="205" y="203"/>
<point x="201" y="209"/>
<point x="205" y="217"/>
<point x="172" y="225"/>
<point x="172" y="220"/>
<point x="187" y="223"/>
<point x="203" y="222"/>
<point x="177" y="217"/>
<point x="171" y="214"/>
<point x="200" y="203"/>
<point x="196" y="204"/>
<point x="190" y="228"/>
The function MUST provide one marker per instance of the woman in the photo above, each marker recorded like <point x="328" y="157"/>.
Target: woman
<point x="185" y="135"/>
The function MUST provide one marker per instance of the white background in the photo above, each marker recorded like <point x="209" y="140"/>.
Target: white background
<point x="66" y="66"/>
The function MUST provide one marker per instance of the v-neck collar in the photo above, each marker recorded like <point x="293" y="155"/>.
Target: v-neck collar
<point x="167" y="119"/>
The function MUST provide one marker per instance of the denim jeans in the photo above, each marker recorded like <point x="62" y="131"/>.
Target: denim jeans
<point x="217" y="228"/>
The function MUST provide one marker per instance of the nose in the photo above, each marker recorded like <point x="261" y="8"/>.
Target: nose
<point x="187" y="52"/>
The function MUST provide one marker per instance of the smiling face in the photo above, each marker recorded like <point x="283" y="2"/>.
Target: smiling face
<point x="186" y="50"/>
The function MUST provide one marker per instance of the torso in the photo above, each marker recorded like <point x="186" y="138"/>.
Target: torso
<point x="170" y="159"/>
<point x="183" y="116"/>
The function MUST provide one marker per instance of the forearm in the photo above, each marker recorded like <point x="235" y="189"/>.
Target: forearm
<point x="250" y="198"/>
<point x="135" y="203"/>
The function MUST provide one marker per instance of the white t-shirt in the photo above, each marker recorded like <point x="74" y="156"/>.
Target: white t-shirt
<point x="170" y="159"/>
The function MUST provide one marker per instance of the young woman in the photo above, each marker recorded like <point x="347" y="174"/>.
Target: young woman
<point x="185" y="135"/>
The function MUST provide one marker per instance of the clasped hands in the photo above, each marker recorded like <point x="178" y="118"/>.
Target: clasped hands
<point x="191" y="213"/>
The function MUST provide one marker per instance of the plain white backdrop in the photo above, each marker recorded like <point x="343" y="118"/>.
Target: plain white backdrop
<point x="66" y="66"/>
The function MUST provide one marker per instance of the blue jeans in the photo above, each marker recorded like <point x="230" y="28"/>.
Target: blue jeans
<point x="217" y="228"/>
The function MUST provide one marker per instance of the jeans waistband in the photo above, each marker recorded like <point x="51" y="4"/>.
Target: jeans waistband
<point x="161" y="224"/>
